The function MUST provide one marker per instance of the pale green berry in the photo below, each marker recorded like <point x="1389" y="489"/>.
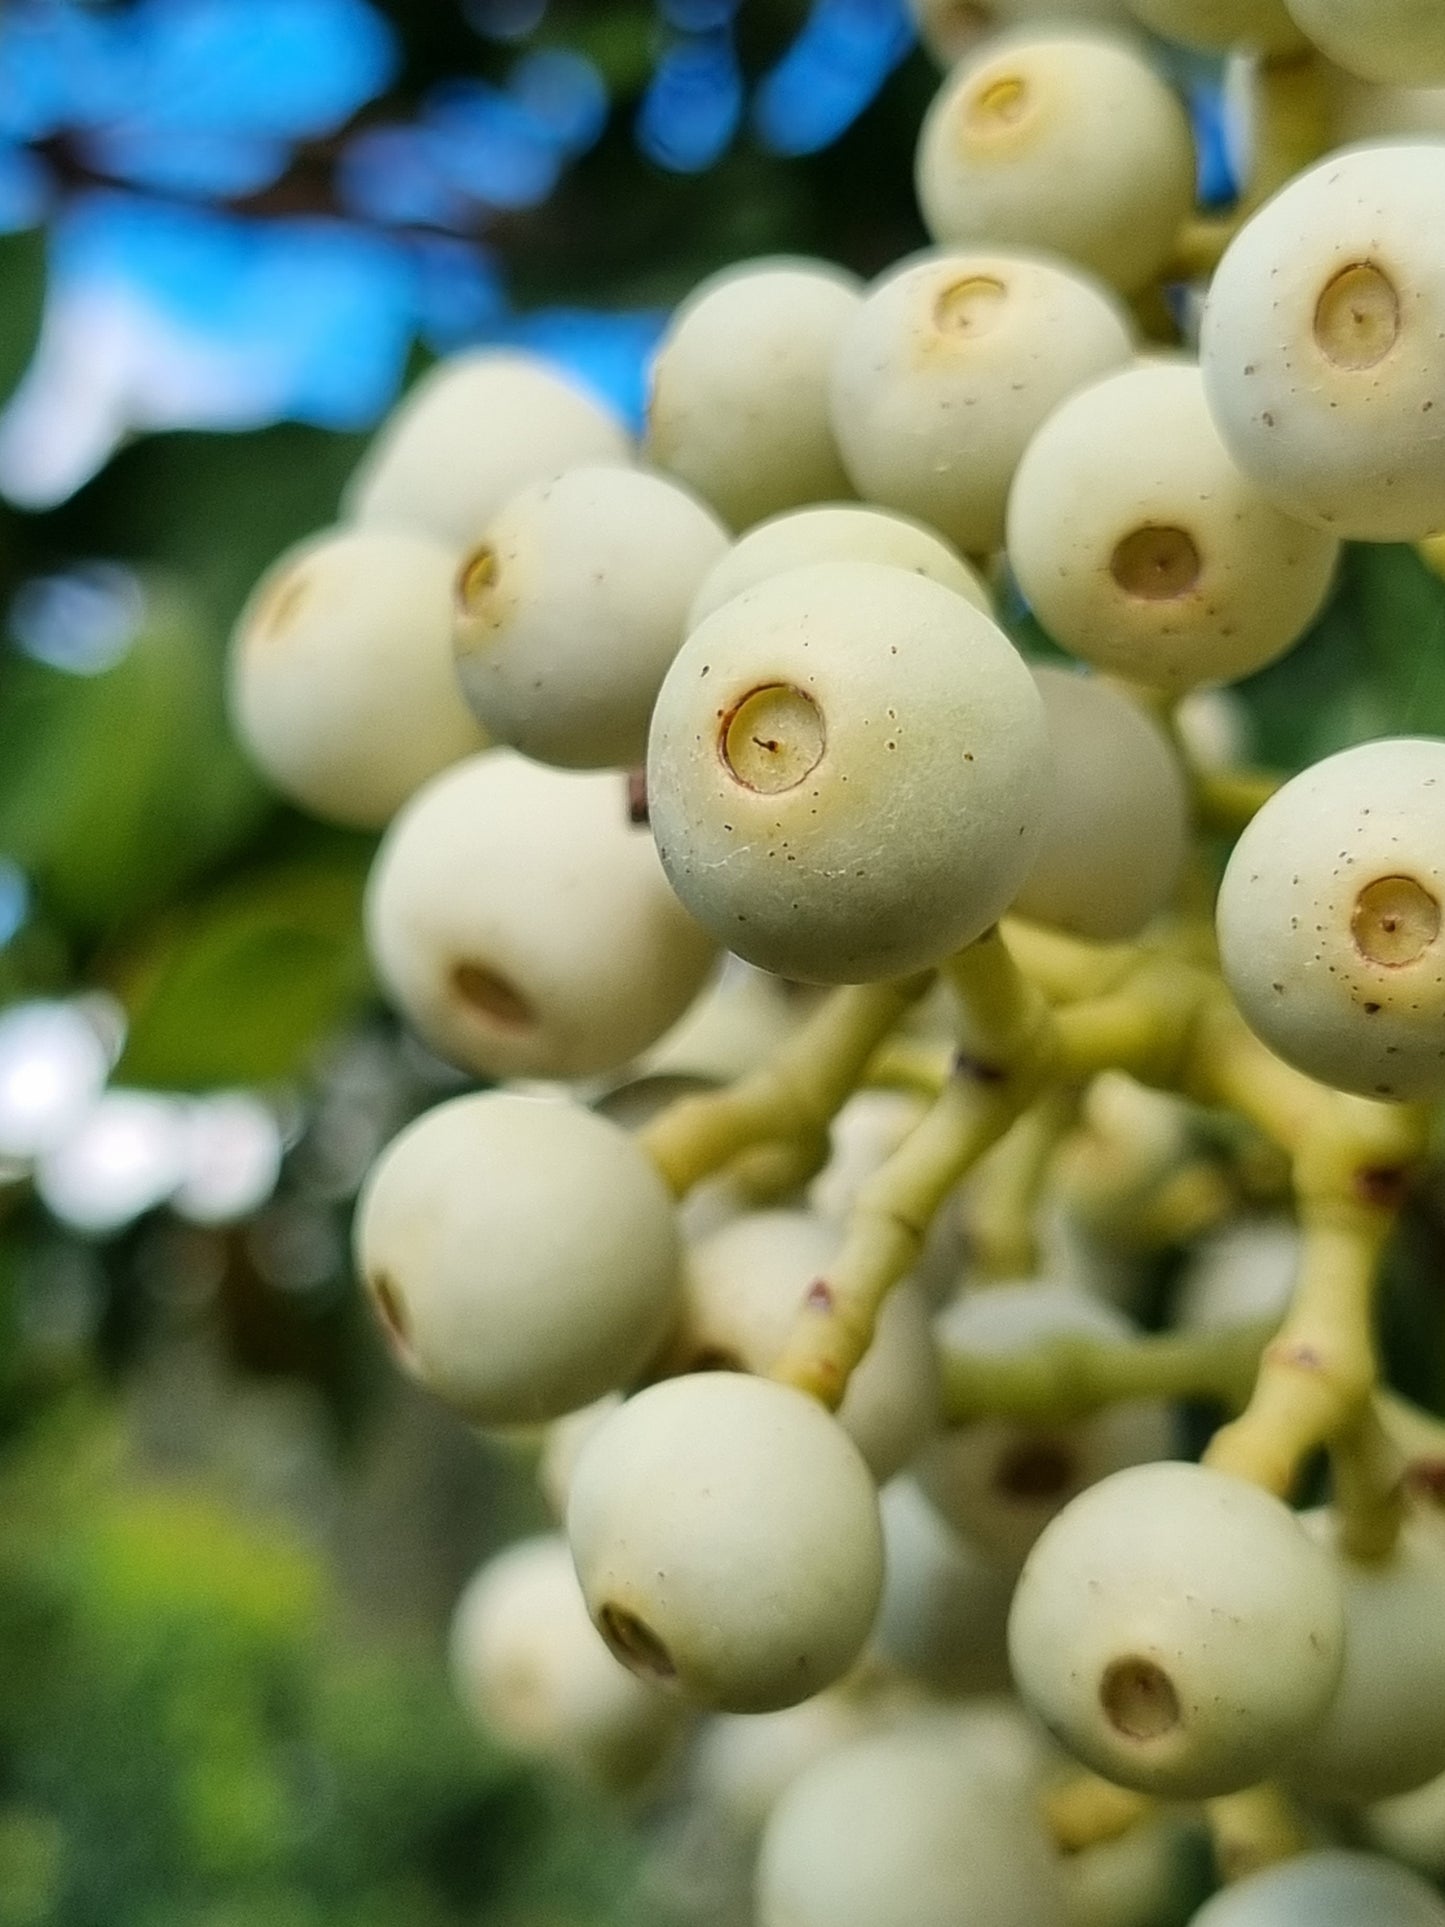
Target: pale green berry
<point x="1361" y="111"/>
<point x="1134" y="1881"/>
<point x="726" y="1535"/>
<point x="910" y="1828"/>
<point x="1219" y="26"/>
<point x="845" y="773"/>
<point x="944" y="1616"/>
<point x="521" y="1253"/>
<point x="744" y="1763"/>
<point x="1320" y="344"/>
<point x="1116" y="834"/>
<point x="1327" y="1888"/>
<point x="571" y="607"/>
<point x="522" y="922"/>
<point x="1164" y="563"/>
<point x="1066" y="141"/>
<point x="1177" y="1630"/>
<point x="744" y="1288"/>
<point x="1411" y="1827"/>
<point x="738" y="407"/>
<point x="1241" y="1274"/>
<point x="1329" y="920"/>
<point x="1384" y="1730"/>
<point x="476" y="428"/>
<point x="949" y="367"/>
<point x="1398" y="42"/>
<point x="999" y="1481"/>
<point x="529" y="1668"/>
<point x="834" y="532"/>
<point x="341" y="681"/>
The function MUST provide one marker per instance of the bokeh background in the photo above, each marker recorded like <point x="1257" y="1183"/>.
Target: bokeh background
<point x="230" y="231"/>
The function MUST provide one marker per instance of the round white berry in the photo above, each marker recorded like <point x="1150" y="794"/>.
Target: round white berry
<point x="571" y="607"/>
<point x="949" y="367"/>
<point x="341" y="679"/>
<point x="1399" y="42"/>
<point x="1177" y="1630"/>
<point x="910" y="1828"/>
<point x="744" y="1763"/>
<point x="1219" y="26"/>
<point x="521" y="1254"/>
<point x="474" y="430"/>
<point x="1116" y="833"/>
<point x="562" y="1444"/>
<point x="738" y="407"/>
<point x="1064" y="141"/>
<point x="1164" y="563"/>
<point x="745" y="1285"/>
<point x="1321" y="344"/>
<point x="846" y="771"/>
<point x="1384" y="1730"/>
<point x="1327" y="1888"/>
<point x="834" y="532"/>
<point x="944" y="1616"/>
<point x="726" y="1535"/>
<point x="1000" y="1481"/>
<point x="1241" y="1274"/>
<point x="1411" y="1827"/>
<point x="1329" y="920"/>
<point x="529" y="1667"/>
<point x="523" y="924"/>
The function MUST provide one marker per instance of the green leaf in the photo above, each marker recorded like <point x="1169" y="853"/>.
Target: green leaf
<point x="244" y="988"/>
<point x="22" y="298"/>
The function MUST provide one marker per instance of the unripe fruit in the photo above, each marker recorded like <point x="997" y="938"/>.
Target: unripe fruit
<point x="521" y="1253"/>
<point x="474" y="430"/>
<point x="1321" y="344"/>
<point x="572" y="606"/>
<point x="1164" y="563"/>
<point x="1384" y="1730"/>
<point x="745" y="1286"/>
<point x="341" y="680"/>
<point x="1178" y="1631"/>
<point x="1329" y="920"/>
<point x="1116" y="833"/>
<point x="834" y="532"/>
<point x="1219" y="26"/>
<point x="999" y="1481"/>
<point x="726" y="1535"/>
<point x="1400" y="42"/>
<point x="845" y="773"/>
<point x="906" y="1829"/>
<point x="739" y="401"/>
<point x="949" y="367"/>
<point x="1329" y="1888"/>
<point x="522" y="922"/>
<point x="944" y="1616"/>
<point x="529" y="1667"/>
<point x="1064" y="141"/>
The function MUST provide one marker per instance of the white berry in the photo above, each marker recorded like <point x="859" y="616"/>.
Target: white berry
<point x="944" y="1617"/>
<point x="1328" y="1888"/>
<point x="1399" y="42"/>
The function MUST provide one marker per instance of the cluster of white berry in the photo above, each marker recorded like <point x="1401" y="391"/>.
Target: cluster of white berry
<point x="837" y="1457"/>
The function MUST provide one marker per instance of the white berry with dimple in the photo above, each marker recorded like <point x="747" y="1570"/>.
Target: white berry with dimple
<point x="1328" y="1888"/>
<point x="341" y="680"/>
<point x="1165" y="563"/>
<point x="846" y="772"/>
<point x="726" y="1534"/>
<point x="1330" y="923"/>
<point x="1000" y="1481"/>
<point x="744" y="1288"/>
<point x="1064" y="141"/>
<point x="835" y="532"/>
<point x="911" y="1828"/>
<point x="1116" y="834"/>
<point x="1178" y="1631"/>
<point x="572" y="606"/>
<point x="1321" y="344"/>
<point x="522" y="1254"/>
<point x="949" y="367"/>
<point x="738" y="407"/>
<point x="529" y="1667"/>
<point x="474" y="430"/>
<point x="522" y="922"/>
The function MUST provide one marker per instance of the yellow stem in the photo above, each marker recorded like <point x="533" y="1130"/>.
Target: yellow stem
<point x="1368" y="1476"/>
<point x="1000" y="1217"/>
<point x="1087" y="1811"/>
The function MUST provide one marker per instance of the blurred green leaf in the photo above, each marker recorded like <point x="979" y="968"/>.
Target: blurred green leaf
<point x="244" y="987"/>
<point x="117" y="788"/>
<point x="22" y="298"/>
